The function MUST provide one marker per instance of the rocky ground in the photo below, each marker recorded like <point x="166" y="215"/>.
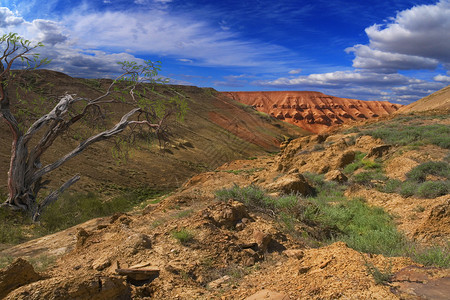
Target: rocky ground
<point x="193" y="246"/>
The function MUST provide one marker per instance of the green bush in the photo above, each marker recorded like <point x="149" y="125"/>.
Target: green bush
<point x="412" y="134"/>
<point x="364" y="228"/>
<point x="183" y="235"/>
<point x="380" y="276"/>
<point x="356" y="164"/>
<point x="366" y="177"/>
<point x="433" y="189"/>
<point x="390" y="186"/>
<point x="11" y="229"/>
<point x="437" y="168"/>
<point x="67" y="211"/>
<point x="432" y="256"/>
<point x="408" y="189"/>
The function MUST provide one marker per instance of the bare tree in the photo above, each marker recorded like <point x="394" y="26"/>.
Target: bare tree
<point x="26" y="173"/>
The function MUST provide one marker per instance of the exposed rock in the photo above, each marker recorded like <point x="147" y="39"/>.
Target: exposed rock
<point x="17" y="274"/>
<point x="345" y="158"/>
<point x="295" y="253"/>
<point x="336" y="175"/>
<point x="313" y="111"/>
<point x="422" y="283"/>
<point x="139" y="274"/>
<point x="436" y="225"/>
<point x="262" y="240"/>
<point x="139" y="241"/>
<point x="82" y="236"/>
<point x="218" y="282"/>
<point x="268" y="295"/>
<point x="230" y="214"/>
<point x="292" y="183"/>
<point x="378" y="151"/>
<point x="66" y="288"/>
<point x="101" y="264"/>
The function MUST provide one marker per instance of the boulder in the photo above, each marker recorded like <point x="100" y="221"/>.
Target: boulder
<point x="378" y="151"/>
<point x="17" y="274"/>
<point x="229" y="215"/>
<point x="262" y="240"/>
<point x="291" y="183"/>
<point x="336" y="175"/>
<point x="345" y="158"/>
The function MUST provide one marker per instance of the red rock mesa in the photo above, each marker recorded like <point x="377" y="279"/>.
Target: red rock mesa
<point x="313" y="111"/>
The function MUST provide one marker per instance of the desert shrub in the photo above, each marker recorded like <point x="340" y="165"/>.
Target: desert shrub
<point x="380" y="276"/>
<point x="370" y="164"/>
<point x="438" y="256"/>
<point x="437" y="168"/>
<point x="184" y="213"/>
<point x="356" y="164"/>
<point x="390" y="186"/>
<point x="362" y="227"/>
<point x="69" y="210"/>
<point x="12" y="231"/>
<point x="251" y="195"/>
<point x="318" y="147"/>
<point x="366" y="177"/>
<point x="255" y="197"/>
<point x="183" y="235"/>
<point x="408" y="188"/>
<point x="412" y="134"/>
<point x="433" y="189"/>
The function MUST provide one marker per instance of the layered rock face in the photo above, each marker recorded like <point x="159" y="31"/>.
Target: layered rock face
<point x="313" y="111"/>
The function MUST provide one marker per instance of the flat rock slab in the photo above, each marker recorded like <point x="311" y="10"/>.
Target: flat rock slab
<point x="268" y="295"/>
<point x="422" y="283"/>
<point x="139" y="274"/>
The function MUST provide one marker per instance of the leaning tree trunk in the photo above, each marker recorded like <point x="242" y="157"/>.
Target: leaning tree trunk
<point x="26" y="171"/>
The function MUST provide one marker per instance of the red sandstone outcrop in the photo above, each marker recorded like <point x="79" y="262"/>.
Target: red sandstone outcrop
<point x="313" y="111"/>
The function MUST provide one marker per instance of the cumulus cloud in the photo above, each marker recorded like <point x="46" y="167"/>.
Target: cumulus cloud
<point x="388" y="62"/>
<point x="7" y="18"/>
<point x="420" y="31"/>
<point x="49" y="32"/>
<point x="360" y="85"/>
<point x="340" y="79"/>
<point x="415" y="39"/>
<point x="442" y="78"/>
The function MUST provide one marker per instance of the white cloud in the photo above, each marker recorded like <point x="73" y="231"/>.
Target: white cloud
<point x="442" y="78"/>
<point x="381" y="61"/>
<point x="360" y="85"/>
<point x="156" y="31"/>
<point x="185" y="60"/>
<point x="296" y="71"/>
<point x="420" y="31"/>
<point x="7" y="18"/>
<point x="340" y="79"/>
<point x="48" y="32"/>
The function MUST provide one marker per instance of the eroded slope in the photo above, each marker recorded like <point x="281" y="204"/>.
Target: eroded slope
<point x="313" y="111"/>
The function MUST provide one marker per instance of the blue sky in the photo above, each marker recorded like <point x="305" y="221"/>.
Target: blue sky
<point x="394" y="50"/>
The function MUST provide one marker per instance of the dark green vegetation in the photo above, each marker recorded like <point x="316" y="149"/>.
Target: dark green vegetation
<point x="417" y="183"/>
<point x="183" y="235"/>
<point x="329" y="216"/>
<point x="70" y="210"/>
<point x="410" y="130"/>
<point x="370" y="173"/>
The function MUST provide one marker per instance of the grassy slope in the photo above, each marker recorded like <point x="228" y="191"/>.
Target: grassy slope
<point x="217" y="130"/>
